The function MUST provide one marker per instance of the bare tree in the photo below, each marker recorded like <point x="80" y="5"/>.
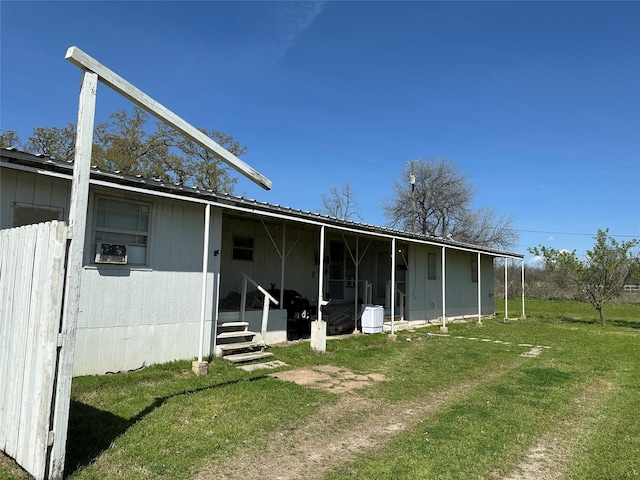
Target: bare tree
<point x="341" y="203"/>
<point x="484" y="226"/>
<point x="434" y="198"/>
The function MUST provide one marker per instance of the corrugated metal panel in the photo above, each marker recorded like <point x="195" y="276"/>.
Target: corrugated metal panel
<point x="32" y="266"/>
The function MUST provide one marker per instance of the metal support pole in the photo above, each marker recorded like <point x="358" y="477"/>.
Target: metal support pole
<point x="214" y="322"/>
<point x="356" y="286"/>
<point x="479" y="275"/>
<point x="283" y="256"/>
<point x="524" y="315"/>
<point x="506" y="298"/>
<point x="319" y="327"/>
<point x="205" y="265"/>
<point x="393" y="285"/>
<point x="443" y="328"/>
<point x="321" y="275"/>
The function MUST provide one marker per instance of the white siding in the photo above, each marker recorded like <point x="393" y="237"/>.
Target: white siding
<point x="462" y="293"/>
<point x="300" y="272"/>
<point x="424" y="295"/>
<point x="136" y="316"/>
<point x="128" y="321"/>
<point x="32" y="189"/>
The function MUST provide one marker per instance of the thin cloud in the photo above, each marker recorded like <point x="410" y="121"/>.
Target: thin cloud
<point x="292" y="20"/>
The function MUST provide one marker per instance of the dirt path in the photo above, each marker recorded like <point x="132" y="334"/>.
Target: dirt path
<point x="355" y="424"/>
<point x="336" y="433"/>
<point x="549" y="458"/>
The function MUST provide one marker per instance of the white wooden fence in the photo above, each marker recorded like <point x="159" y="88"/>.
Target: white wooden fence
<point x="32" y="268"/>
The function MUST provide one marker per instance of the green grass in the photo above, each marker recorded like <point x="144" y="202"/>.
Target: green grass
<point x="617" y="314"/>
<point x="163" y="422"/>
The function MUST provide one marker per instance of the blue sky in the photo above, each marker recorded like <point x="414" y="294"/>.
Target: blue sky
<point x="538" y="103"/>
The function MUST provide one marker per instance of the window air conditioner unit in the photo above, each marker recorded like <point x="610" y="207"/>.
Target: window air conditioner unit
<point x="111" y="253"/>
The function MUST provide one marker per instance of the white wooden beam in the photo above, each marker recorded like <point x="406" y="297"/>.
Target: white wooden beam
<point x="127" y="90"/>
<point x="77" y="222"/>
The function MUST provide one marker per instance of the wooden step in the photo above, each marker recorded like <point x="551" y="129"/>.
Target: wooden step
<point x="236" y="334"/>
<point x="226" y="347"/>
<point x="233" y="325"/>
<point x="247" y="357"/>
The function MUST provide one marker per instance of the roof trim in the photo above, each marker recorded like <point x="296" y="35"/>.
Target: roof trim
<point x="12" y="158"/>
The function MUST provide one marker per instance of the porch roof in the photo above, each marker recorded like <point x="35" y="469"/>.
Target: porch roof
<point x="13" y="158"/>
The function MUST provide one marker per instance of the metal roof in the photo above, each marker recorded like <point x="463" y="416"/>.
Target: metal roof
<point x="157" y="187"/>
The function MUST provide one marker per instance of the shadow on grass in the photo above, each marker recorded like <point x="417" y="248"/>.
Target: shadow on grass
<point x="92" y="431"/>
<point x="594" y="321"/>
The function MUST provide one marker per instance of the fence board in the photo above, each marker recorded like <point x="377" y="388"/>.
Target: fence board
<point x="8" y="254"/>
<point x="32" y="262"/>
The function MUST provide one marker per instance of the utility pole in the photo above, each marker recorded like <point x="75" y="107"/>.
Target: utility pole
<point x="412" y="180"/>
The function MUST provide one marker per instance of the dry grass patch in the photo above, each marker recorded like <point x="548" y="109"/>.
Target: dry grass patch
<point x="329" y="377"/>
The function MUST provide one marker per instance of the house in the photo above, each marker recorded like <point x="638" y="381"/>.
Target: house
<point x="153" y="275"/>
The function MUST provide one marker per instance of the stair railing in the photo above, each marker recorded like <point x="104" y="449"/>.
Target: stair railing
<point x="268" y="299"/>
<point x="399" y="298"/>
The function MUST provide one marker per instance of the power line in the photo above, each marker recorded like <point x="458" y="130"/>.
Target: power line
<point x="575" y="233"/>
<point x="560" y="173"/>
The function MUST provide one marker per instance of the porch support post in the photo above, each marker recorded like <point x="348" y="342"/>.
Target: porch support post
<point x="200" y="367"/>
<point x="506" y="297"/>
<point x="444" y="328"/>
<point x="393" y="285"/>
<point x="479" y="275"/>
<point x="355" y="285"/>
<point x="283" y="257"/>
<point x="75" y="243"/>
<point x="214" y="320"/>
<point x="319" y="327"/>
<point x="321" y="274"/>
<point x="524" y="315"/>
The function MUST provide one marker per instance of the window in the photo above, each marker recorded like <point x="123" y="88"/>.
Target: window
<point x="27" y="214"/>
<point x="243" y="248"/>
<point x="474" y="270"/>
<point x="431" y="266"/>
<point x="120" y="222"/>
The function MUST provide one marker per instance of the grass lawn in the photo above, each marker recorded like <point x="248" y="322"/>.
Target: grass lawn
<point x="575" y="404"/>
